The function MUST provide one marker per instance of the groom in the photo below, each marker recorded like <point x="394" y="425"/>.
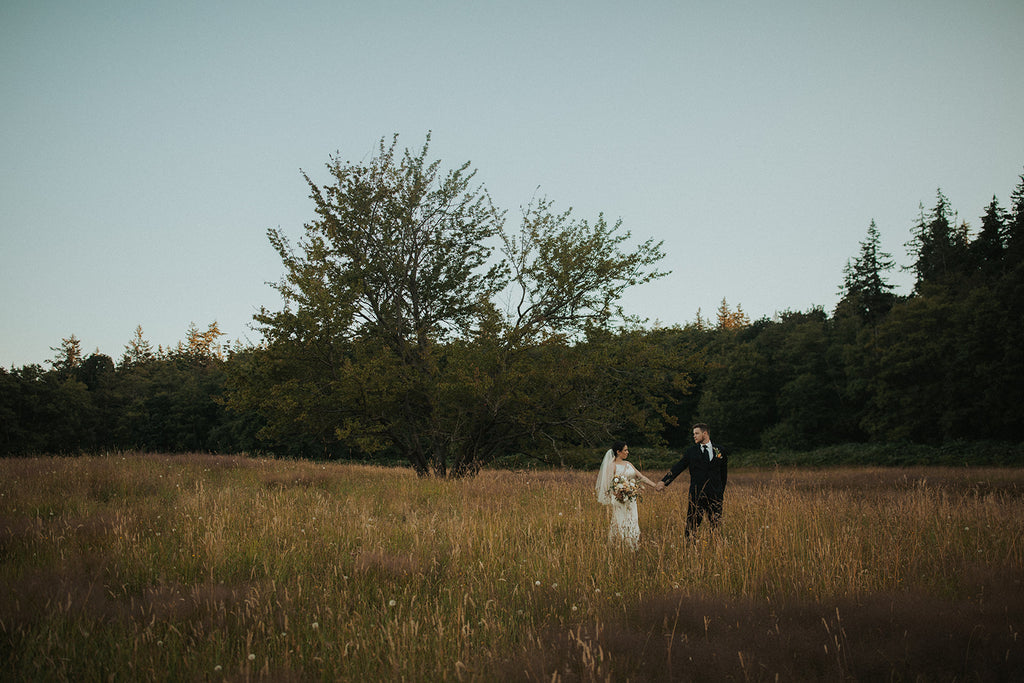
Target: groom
<point x="708" y="472"/>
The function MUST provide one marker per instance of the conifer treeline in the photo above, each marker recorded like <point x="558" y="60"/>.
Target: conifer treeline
<point x="942" y="363"/>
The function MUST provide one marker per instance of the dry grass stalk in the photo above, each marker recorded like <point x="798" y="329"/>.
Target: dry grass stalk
<point x="194" y="567"/>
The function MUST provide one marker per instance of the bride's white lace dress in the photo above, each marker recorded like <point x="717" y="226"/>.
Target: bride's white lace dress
<point x="625" y="527"/>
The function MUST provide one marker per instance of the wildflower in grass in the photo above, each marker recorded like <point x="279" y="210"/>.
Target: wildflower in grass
<point x="217" y="668"/>
<point x="252" y="657"/>
<point x="391" y="603"/>
<point x="316" y="625"/>
<point x="536" y="583"/>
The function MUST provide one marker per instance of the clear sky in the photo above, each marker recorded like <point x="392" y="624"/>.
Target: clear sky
<point x="146" y="147"/>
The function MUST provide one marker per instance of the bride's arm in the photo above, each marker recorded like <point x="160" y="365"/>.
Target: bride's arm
<point x="642" y="477"/>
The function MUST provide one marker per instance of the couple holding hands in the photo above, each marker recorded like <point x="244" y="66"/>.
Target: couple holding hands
<point x="618" y="484"/>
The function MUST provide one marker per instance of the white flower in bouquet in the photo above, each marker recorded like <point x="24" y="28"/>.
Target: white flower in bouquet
<point x="625" y="489"/>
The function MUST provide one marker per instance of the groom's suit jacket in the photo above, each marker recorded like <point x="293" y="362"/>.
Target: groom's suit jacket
<point x="707" y="478"/>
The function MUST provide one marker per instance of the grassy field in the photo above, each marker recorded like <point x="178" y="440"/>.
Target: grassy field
<point x="217" y="568"/>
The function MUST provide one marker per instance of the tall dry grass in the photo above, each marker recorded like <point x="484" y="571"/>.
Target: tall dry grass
<point x="135" y="567"/>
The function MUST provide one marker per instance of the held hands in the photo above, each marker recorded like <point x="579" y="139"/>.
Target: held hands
<point x="660" y="486"/>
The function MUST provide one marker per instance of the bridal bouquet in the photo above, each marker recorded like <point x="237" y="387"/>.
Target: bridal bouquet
<point x="624" y="490"/>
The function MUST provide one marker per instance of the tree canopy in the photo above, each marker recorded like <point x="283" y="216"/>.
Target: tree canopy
<point x="421" y="326"/>
<point x="416" y="322"/>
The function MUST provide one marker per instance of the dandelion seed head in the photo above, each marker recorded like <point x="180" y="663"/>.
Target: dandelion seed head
<point x="252" y="657"/>
<point x="391" y="603"/>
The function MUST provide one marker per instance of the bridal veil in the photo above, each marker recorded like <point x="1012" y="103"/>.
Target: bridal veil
<point x="604" y="478"/>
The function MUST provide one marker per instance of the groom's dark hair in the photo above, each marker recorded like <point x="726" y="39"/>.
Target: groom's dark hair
<point x="702" y="427"/>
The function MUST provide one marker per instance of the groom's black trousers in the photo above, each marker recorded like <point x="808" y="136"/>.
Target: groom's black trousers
<point x="707" y="485"/>
<point x="699" y="506"/>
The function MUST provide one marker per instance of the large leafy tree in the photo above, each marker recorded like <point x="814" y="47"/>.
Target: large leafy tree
<point x="415" y="324"/>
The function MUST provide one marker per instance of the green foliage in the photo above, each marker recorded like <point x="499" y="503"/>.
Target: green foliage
<point x="167" y="401"/>
<point x="418" y="329"/>
<point x="987" y="249"/>
<point x="403" y="334"/>
<point x="1014" y="227"/>
<point x="940" y="246"/>
<point x="865" y="289"/>
<point x="738" y="397"/>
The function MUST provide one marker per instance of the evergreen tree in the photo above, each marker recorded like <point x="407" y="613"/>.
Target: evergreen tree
<point x="68" y="358"/>
<point x="939" y="245"/>
<point x="987" y="248"/>
<point x="865" y="287"/>
<point x="729" y="319"/>
<point x="202" y="347"/>
<point x="1014" y="241"/>
<point x="137" y="350"/>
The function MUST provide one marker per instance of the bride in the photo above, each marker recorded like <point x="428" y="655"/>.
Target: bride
<point x="617" y="471"/>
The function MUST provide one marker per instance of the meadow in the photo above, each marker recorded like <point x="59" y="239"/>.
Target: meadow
<point x="194" y="567"/>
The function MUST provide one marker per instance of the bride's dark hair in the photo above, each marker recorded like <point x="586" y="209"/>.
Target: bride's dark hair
<point x="618" y="446"/>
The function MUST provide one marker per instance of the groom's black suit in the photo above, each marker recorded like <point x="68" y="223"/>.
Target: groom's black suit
<point x="707" y="484"/>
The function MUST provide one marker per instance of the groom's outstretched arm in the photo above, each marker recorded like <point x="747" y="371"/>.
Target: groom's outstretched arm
<point x="677" y="469"/>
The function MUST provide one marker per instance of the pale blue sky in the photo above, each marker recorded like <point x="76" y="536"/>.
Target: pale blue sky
<point x="146" y="147"/>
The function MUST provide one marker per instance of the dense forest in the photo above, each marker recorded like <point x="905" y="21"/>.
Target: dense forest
<point x="390" y="347"/>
